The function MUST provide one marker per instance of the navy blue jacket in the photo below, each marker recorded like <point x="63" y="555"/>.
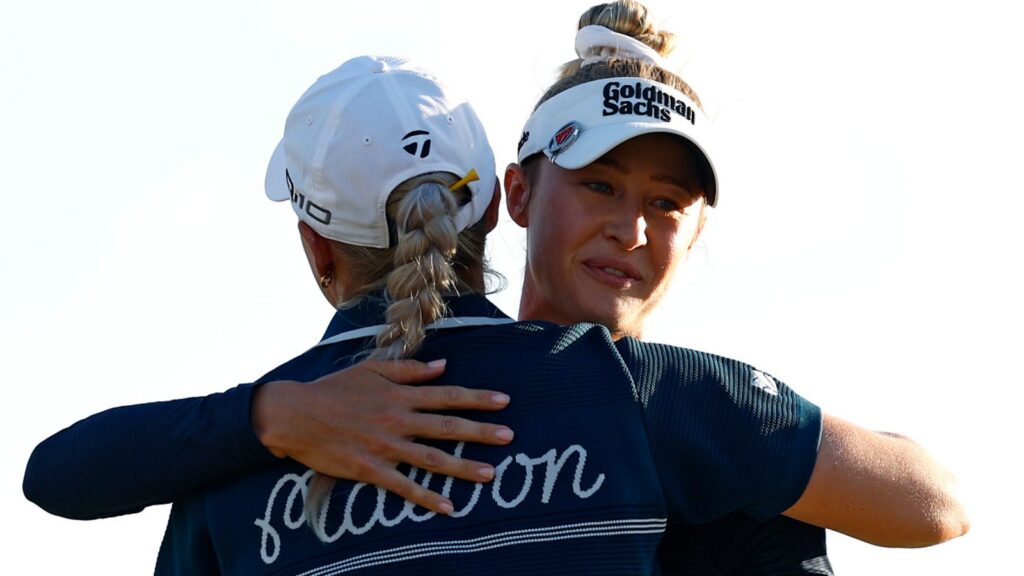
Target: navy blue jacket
<point x="615" y="441"/>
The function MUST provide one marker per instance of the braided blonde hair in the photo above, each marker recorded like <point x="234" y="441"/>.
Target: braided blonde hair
<point x="427" y="243"/>
<point x="429" y="260"/>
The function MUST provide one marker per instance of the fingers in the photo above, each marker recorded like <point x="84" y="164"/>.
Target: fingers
<point x="434" y="397"/>
<point x="445" y="427"/>
<point x="394" y="481"/>
<point x="405" y="371"/>
<point x="433" y="460"/>
<point x="368" y="413"/>
<point x="439" y="462"/>
<point x="457" y="398"/>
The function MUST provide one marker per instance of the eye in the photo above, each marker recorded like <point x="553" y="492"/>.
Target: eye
<point x="667" y="205"/>
<point x="599" y="187"/>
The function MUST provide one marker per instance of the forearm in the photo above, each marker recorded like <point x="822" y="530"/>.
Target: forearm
<point x="124" y="459"/>
<point x="880" y="488"/>
<point x="358" y="424"/>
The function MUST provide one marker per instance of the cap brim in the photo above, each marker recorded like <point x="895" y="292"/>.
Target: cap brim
<point x="275" y="184"/>
<point x="597" y="141"/>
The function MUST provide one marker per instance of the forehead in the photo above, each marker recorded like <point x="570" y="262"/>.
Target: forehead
<point x="659" y="157"/>
<point x="668" y="151"/>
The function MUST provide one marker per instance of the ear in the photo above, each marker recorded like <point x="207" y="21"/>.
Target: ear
<point x="517" y="194"/>
<point x="491" y="215"/>
<point x="318" y="250"/>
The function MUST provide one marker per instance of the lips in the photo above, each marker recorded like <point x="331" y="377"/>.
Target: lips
<point x="616" y="273"/>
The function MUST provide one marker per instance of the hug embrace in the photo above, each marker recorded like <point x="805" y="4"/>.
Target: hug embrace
<point x="427" y="432"/>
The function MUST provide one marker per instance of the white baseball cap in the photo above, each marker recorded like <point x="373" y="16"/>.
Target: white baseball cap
<point x="579" y="125"/>
<point x="363" y="129"/>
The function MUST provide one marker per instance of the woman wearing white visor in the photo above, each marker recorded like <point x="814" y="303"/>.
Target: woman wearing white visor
<point x="613" y="182"/>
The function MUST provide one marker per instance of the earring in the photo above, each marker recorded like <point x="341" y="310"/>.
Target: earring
<point x="326" y="278"/>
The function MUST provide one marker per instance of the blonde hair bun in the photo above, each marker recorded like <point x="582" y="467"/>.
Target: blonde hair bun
<point x="630" y="18"/>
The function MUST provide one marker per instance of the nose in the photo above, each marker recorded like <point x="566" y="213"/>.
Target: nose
<point x="628" y="228"/>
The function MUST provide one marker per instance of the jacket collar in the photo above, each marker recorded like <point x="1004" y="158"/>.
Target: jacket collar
<point x="369" y="311"/>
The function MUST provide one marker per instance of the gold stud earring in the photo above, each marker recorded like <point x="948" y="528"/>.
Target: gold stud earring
<point x="326" y="278"/>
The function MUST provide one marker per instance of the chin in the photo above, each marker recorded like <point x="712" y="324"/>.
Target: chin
<point x="615" y="323"/>
<point x="612" y="313"/>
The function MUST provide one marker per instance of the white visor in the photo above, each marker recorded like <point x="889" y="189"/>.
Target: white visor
<point x="581" y="124"/>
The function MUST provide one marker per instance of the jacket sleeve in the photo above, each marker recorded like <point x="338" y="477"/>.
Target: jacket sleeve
<point x="124" y="459"/>
<point x="736" y="544"/>
<point x="723" y="435"/>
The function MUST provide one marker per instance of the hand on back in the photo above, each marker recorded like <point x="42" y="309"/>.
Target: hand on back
<point x="361" y="422"/>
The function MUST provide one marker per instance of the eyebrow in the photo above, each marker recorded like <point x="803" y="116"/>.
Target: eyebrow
<point x="613" y="164"/>
<point x="660" y="178"/>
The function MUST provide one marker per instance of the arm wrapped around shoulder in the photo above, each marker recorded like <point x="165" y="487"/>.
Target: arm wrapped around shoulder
<point x="881" y="488"/>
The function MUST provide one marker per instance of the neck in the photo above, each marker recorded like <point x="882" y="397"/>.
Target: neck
<point x="473" y="277"/>
<point x="533" y="306"/>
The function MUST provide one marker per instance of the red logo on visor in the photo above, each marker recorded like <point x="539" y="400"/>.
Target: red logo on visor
<point x="562" y="139"/>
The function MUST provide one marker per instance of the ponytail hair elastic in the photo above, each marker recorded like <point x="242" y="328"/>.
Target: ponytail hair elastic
<point x="597" y="44"/>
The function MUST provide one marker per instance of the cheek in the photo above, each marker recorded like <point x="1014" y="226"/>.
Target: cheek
<point x="558" y="223"/>
<point x="668" y="253"/>
<point x="551" y="241"/>
<point x="684" y="237"/>
<point x="668" y="259"/>
<point x="545" y="242"/>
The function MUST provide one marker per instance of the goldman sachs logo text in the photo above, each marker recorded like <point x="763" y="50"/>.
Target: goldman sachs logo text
<point x="640" y="100"/>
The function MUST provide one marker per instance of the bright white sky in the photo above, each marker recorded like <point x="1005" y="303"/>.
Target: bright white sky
<point x="864" y="249"/>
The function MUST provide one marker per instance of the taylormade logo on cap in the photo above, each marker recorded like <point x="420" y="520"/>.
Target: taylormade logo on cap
<point x="419" y="143"/>
<point x="640" y="100"/>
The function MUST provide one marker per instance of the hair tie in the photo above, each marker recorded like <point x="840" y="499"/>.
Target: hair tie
<point x="597" y="44"/>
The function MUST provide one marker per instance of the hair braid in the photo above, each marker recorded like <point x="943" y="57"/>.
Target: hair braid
<point x="422" y="272"/>
<point x="427" y="239"/>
